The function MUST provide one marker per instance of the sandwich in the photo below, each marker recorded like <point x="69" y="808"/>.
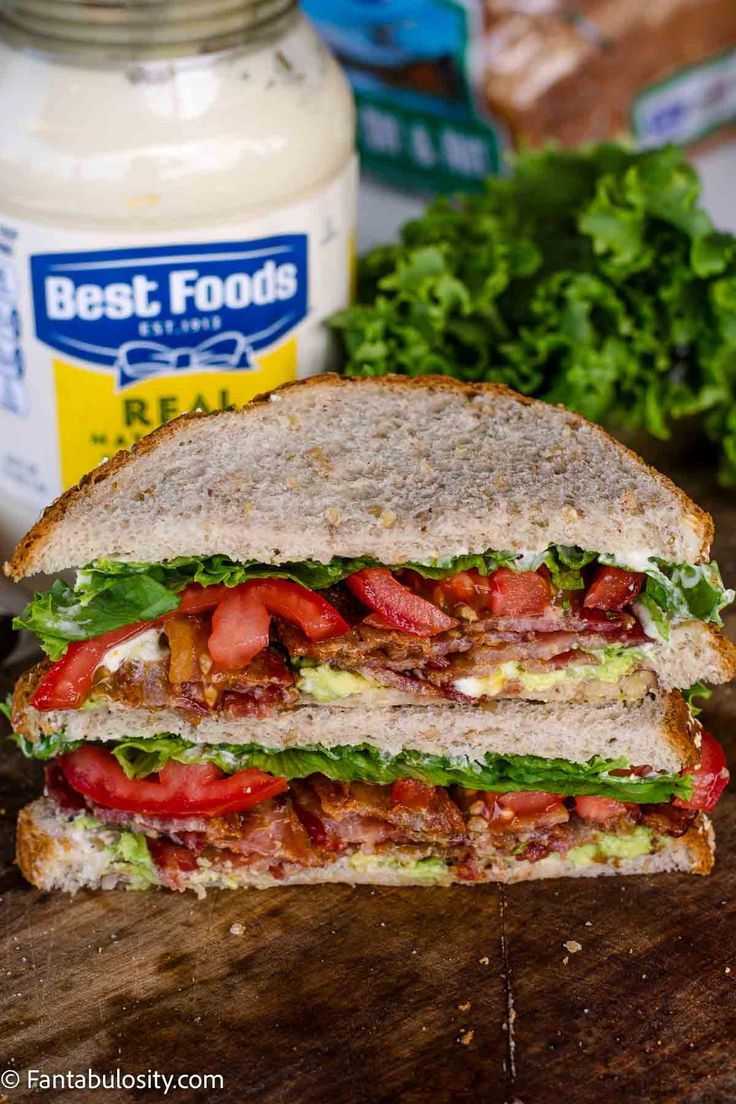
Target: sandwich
<point x="389" y="631"/>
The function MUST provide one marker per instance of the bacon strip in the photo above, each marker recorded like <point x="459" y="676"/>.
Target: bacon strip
<point x="319" y="819"/>
<point x="426" y="667"/>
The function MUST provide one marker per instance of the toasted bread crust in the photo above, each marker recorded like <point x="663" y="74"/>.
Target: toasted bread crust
<point x="22" y="711"/>
<point x="725" y="651"/>
<point x="26" y="557"/>
<point x="35" y="850"/>
<point x="679" y="729"/>
<point x="696" y="652"/>
<point x="701" y="843"/>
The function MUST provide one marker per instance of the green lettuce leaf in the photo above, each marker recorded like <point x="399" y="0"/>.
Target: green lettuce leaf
<point x="109" y="594"/>
<point x="698" y="692"/>
<point x="680" y="592"/>
<point x="498" y="773"/>
<point x="65" y="613"/>
<point x="45" y="747"/>
<point x="591" y="278"/>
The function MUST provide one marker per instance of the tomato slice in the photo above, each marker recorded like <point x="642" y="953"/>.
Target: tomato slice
<point x="241" y="622"/>
<point x="518" y="593"/>
<point x="399" y="606"/>
<point x="457" y="589"/>
<point x="240" y="630"/>
<point x="710" y="777"/>
<point x="466" y="588"/>
<point x="58" y="789"/>
<point x="612" y="588"/>
<point x="412" y="793"/>
<point x="530" y="803"/>
<point x="599" y="809"/>
<point x="179" y="790"/>
<point x="198" y="599"/>
<point x="69" y="681"/>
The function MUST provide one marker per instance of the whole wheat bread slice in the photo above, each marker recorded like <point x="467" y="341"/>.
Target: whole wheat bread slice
<point x="655" y="730"/>
<point x="54" y="853"/>
<point x="391" y="468"/>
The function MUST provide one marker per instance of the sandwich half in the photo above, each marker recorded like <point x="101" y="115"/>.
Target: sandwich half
<point x="371" y="630"/>
<point x="521" y="790"/>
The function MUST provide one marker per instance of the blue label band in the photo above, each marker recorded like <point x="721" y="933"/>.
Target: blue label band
<point x="168" y="309"/>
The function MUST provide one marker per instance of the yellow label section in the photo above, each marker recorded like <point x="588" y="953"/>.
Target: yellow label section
<point x="95" y="420"/>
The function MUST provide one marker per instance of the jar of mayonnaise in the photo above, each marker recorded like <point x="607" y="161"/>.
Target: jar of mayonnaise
<point x="177" y="209"/>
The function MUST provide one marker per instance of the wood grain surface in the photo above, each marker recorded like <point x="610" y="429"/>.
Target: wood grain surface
<point x="388" y="996"/>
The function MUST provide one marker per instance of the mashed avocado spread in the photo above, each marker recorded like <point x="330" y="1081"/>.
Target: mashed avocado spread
<point x="608" y="846"/>
<point x="326" y="684"/>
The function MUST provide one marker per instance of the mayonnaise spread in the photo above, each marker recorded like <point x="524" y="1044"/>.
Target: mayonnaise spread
<point x="177" y="206"/>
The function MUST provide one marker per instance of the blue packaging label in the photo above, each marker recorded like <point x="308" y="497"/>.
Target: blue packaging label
<point x="166" y="309"/>
<point x="409" y="62"/>
<point x="440" y="84"/>
<point x="106" y="334"/>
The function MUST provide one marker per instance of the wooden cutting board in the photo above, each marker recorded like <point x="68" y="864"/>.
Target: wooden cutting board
<point x="387" y="996"/>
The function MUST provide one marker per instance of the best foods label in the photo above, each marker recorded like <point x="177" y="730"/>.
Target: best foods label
<point x="100" y="346"/>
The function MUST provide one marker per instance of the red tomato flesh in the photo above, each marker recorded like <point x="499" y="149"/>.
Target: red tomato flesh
<point x="461" y="588"/>
<point x="505" y="593"/>
<point x="530" y="803"/>
<point x="240" y="630"/>
<point x="599" y="809"/>
<point x="69" y="681"/>
<point x="467" y="588"/>
<point x="241" y="621"/>
<point x="612" y="588"/>
<point x="532" y="807"/>
<point x="412" y="793"/>
<point x="399" y="606"/>
<point x="710" y="777"/>
<point x="198" y="599"/>
<point x="179" y="790"/>
<point x="518" y="593"/>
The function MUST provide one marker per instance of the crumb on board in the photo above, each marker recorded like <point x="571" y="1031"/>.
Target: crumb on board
<point x="573" y="946"/>
<point x="466" y="1006"/>
<point x="465" y="1038"/>
<point x="237" y="929"/>
<point x="484" y="961"/>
